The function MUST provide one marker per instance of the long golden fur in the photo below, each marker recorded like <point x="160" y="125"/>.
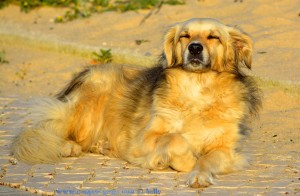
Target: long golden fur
<point x="189" y="112"/>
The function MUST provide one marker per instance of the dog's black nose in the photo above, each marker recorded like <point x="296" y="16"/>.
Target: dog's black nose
<point x="195" y="48"/>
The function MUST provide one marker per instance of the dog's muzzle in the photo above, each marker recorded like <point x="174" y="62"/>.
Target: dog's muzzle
<point x="196" y="57"/>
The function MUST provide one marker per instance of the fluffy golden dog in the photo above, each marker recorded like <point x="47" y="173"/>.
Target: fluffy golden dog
<point x="187" y="113"/>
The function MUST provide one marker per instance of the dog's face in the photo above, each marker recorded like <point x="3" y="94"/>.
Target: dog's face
<point x="204" y="44"/>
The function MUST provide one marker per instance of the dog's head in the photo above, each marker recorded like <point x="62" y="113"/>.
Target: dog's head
<point x="206" y="44"/>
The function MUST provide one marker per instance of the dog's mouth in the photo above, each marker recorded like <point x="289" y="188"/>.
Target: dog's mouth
<point x="196" y="63"/>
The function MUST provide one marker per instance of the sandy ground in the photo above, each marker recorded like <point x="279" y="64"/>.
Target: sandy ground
<point x="274" y="26"/>
<point x="37" y="67"/>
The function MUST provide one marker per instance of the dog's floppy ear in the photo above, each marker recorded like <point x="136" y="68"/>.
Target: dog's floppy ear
<point x="170" y="41"/>
<point x="243" y="46"/>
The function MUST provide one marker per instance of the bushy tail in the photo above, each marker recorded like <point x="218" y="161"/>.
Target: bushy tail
<point x="37" y="146"/>
<point x="43" y="143"/>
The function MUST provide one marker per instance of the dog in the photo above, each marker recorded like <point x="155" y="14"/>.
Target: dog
<point x="189" y="112"/>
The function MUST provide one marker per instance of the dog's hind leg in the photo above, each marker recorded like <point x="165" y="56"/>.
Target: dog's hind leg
<point x="72" y="122"/>
<point x="87" y="121"/>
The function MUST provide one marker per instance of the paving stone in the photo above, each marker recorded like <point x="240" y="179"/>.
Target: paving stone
<point x="7" y="191"/>
<point x="69" y="178"/>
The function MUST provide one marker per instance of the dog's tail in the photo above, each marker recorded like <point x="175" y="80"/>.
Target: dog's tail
<point x="43" y="143"/>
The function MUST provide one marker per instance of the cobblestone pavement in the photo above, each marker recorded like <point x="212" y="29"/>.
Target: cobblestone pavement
<point x="274" y="169"/>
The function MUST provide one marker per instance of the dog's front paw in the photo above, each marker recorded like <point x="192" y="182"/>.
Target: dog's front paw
<point x="184" y="162"/>
<point x="197" y="179"/>
<point x="157" y="161"/>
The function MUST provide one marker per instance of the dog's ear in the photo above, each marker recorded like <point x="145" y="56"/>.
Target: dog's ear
<point x="242" y="45"/>
<point x="170" y="41"/>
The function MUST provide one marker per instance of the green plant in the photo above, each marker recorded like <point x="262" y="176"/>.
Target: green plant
<point x="103" y="56"/>
<point x="4" y="3"/>
<point x="130" y="5"/>
<point x="2" y="57"/>
<point x="27" y="5"/>
<point x="85" y="8"/>
<point x="74" y="13"/>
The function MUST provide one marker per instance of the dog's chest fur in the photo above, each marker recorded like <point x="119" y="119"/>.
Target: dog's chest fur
<point x="198" y="105"/>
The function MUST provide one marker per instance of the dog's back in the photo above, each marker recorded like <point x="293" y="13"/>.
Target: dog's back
<point x="72" y="122"/>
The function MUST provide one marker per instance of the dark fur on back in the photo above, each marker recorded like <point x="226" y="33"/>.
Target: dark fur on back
<point x="75" y="83"/>
<point x="140" y="89"/>
<point x="253" y="98"/>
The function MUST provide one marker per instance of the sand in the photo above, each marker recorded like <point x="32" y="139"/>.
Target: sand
<point x="44" y="55"/>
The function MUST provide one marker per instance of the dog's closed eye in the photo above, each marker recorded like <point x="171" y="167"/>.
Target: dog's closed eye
<point x="213" y="37"/>
<point x="185" y="35"/>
